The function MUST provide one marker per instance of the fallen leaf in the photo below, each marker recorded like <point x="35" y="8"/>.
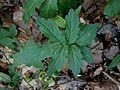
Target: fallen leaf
<point x="97" y="54"/>
<point x="4" y="65"/>
<point x="17" y="15"/>
<point x="98" y="71"/>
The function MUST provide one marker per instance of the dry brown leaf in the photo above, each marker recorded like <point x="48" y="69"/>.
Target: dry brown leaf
<point x="65" y="67"/>
<point x="97" y="54"/>
<point x="23" y="37"/>
<point x="4" y="65"/>
<point x="110" y="54"/>
<point x="97" y="71"/>
<point x="105" y="85"/>
<point x="17" y="15"/>
<point x="93" y="10"/>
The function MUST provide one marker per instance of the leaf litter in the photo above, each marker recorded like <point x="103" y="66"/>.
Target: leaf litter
<point x="93" y="77"/>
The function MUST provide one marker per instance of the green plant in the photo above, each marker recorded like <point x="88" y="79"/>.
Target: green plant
<point x="29" y="8"/>
<point x="4" y="77"/>
<point x="112" y="8"/>
<point x="8" y="36"/>
<point x="115" y="62"/>
<point x="12" y="77"/>
<point x="48" y="8"/>
<point x="65" y="5"/>
<point x="68" y="40"/>
<point x="70" y="44"/>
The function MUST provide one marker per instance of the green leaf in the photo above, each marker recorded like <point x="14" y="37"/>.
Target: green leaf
<point x="75" y="59"/>
<point x="87" y="54"/>
<point x="28" y="54"/>
<point x="4" y="77"/>
<point x="29" y="8"/>
<point x="59" y="21"/>
<point x="11" y="69"/>
<point x="32" y="53"/>
<point x="87" y="34"/>
<point x="8" y="36"/>
<point x="112" y="8"/>
<point x="72" y="26"/>
<point x="49" y="9"/>
<point x="15" y="75"/>
<point x="9" y="42"/>
<point x="115" y="62"/>
<point x="77" y="11"/>
<point x="16" y="78"/>
<point x="13" y="30"/>
<point x="50" y="29"/>
<point x="58" y="60"/>
<point x="8" y="32"/>
<point x="65" y="5"/>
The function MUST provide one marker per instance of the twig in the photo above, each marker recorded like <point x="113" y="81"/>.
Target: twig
<point x="117" y="83"/>
<point x="95" y="45"/>
<point x="62" y="77"/>
<point x="7" y="58"/>
<point x="28" y="83"/>
<point x="57" y="85"/>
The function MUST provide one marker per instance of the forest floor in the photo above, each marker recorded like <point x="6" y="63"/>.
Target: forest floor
<point x="95" y="76"/>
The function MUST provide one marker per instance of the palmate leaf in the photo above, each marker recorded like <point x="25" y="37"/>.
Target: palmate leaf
<point x="87" y="55"/>
<point x="72" y="26"/>
<point x="29" y="8"/>
<point x="112" y="8"/>
<point x="58" y="60"/>
<point x="28" y="54"/>
<point x="87" y="34"/>
<point x="32" y="53"/>
<point x="48" y="9"/>
<point x="115" y="62"/>
<point x="50" y="29"/>
<point x="75" y="61"/>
